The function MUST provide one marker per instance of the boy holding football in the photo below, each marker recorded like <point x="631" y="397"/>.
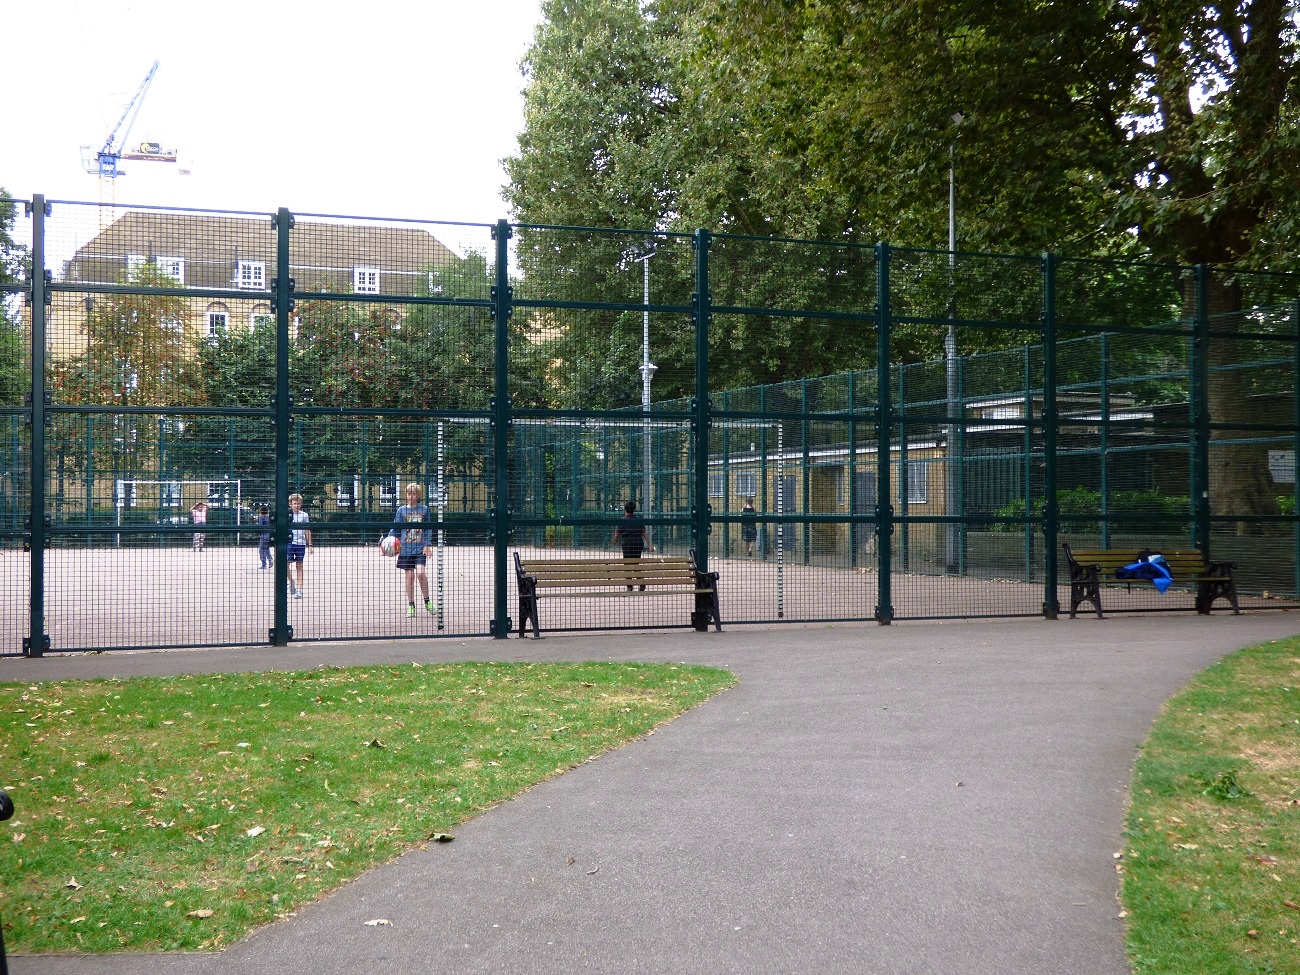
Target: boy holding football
<point x="416" y="545"/>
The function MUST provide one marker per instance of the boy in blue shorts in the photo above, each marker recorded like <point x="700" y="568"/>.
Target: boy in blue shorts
<point x="416" y="545"/>
<point x="299" y="543"/>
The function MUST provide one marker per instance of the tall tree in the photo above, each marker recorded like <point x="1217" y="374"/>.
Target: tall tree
<point x="1139" y="128"/>
<point x="139" y="353"/>
<point x="15" y="378"/>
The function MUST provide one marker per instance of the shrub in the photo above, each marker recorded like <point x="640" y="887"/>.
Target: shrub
<point x="1079" y="506"/>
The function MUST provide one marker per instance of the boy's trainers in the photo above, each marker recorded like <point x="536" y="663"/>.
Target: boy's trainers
<point x="410" y="610"/>
<point x="297" y="594"/>
<point x="428" y="604"/>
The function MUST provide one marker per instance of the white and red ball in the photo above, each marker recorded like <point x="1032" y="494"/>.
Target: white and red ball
<point x="388" y="545"/>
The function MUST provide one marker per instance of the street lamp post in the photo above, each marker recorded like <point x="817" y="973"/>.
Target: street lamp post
<point x="643" y="252"/>
<point x="953" y="479"/>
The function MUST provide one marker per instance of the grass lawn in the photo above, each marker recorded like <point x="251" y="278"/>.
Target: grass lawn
<point x="1212" y="860"/>
<point x="180" y="812"/>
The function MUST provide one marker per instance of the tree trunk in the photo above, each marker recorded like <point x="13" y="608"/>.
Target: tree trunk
<point x="1239" y="478"/>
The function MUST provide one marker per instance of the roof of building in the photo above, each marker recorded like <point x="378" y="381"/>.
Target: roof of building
<point x="322" y="256"/>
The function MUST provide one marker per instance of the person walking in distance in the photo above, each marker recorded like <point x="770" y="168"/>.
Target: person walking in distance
<point x="199" y="517"/>
<point x="631" y="535"/>
<point x="264" y="539"/>
<point x="417" y="545"/>
<point x="299" y="543"/>
<point x="749" y="526"/>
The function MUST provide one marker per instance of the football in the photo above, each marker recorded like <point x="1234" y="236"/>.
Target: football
<point x="388" y="545"/>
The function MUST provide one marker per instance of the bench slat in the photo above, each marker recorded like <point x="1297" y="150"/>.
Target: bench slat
<point x="623" y="592"/>
<point x="1090" y="569"/>
<point x="579" y="578"/>
<point x="660" y="583"/>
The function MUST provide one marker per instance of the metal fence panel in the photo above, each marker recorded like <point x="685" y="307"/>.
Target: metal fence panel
<point x="528" y="381"/>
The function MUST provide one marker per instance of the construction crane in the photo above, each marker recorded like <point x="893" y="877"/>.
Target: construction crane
<point x="107" y="162"/>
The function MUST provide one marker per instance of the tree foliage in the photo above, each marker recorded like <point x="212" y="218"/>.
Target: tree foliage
<point x="1155" y="128"/>
<point x="1161" y="130"/>
<point x="139" y="351"/>
<point x="15" y="366"/>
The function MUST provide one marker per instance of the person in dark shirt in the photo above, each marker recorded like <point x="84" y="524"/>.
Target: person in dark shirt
<point x="749" y="526"/>
<point x="631" y="535"/>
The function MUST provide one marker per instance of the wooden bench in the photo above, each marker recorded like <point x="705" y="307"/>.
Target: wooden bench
<point x="1091" y="568"/>
<point x="618" y="578"/>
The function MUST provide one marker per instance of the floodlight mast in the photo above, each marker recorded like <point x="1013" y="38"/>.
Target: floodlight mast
<point x="643" y="252"/>
<point x="952" y="479"/>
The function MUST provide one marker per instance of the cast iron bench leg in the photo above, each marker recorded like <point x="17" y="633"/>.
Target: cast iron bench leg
<point x="1085" y="589"/>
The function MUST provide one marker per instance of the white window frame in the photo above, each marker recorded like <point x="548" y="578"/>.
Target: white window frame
<point x="254" y="316"/>
<point x="918" y="482"/>
<point x="216" y="327"/>
<point x="250" y="275"/>
<point x="365" y="280"/>
<point x="747" y="484"/>
<point x="717" y="484"/>
<point x="173" y="267"/>
<point x="347" y="492"/>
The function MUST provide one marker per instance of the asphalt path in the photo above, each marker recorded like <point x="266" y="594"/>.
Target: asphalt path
<point x="920" y="799"/>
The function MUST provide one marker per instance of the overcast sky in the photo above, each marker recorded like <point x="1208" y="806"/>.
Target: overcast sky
<point x="383" y="108"/>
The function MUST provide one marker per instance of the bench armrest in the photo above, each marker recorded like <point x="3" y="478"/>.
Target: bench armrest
<point x="527" y="583"/>
<point x="1079" y="570"/>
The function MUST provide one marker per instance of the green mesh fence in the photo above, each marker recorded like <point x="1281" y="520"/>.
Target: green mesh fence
<point x="840" y="432"/>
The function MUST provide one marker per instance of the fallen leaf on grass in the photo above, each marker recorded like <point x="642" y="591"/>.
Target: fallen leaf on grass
<point x="379" y="921"/>
<point x="72" y="884"/>
<point x="375" y="743"/>
<point x="255" y="831"/>
<point x="1291" y="904"/>
<point x="1265" y="859"/>
<point x="441" y="837"/>
<point x="203" y="912"/>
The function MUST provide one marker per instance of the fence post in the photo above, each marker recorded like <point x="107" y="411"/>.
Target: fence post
<point x="1201" y="413"/>
<point x="1295" y="448"/>
<point x="884" y="429"/>
<point x="700" y="526"/>
<point x="281" y="418"/>
<point x="853" y="469"/>
<point x="37" y="642"/>
<point x="805" y="476"/>
<point x="1051" y="603"/>
<point x="501" y="311"/>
